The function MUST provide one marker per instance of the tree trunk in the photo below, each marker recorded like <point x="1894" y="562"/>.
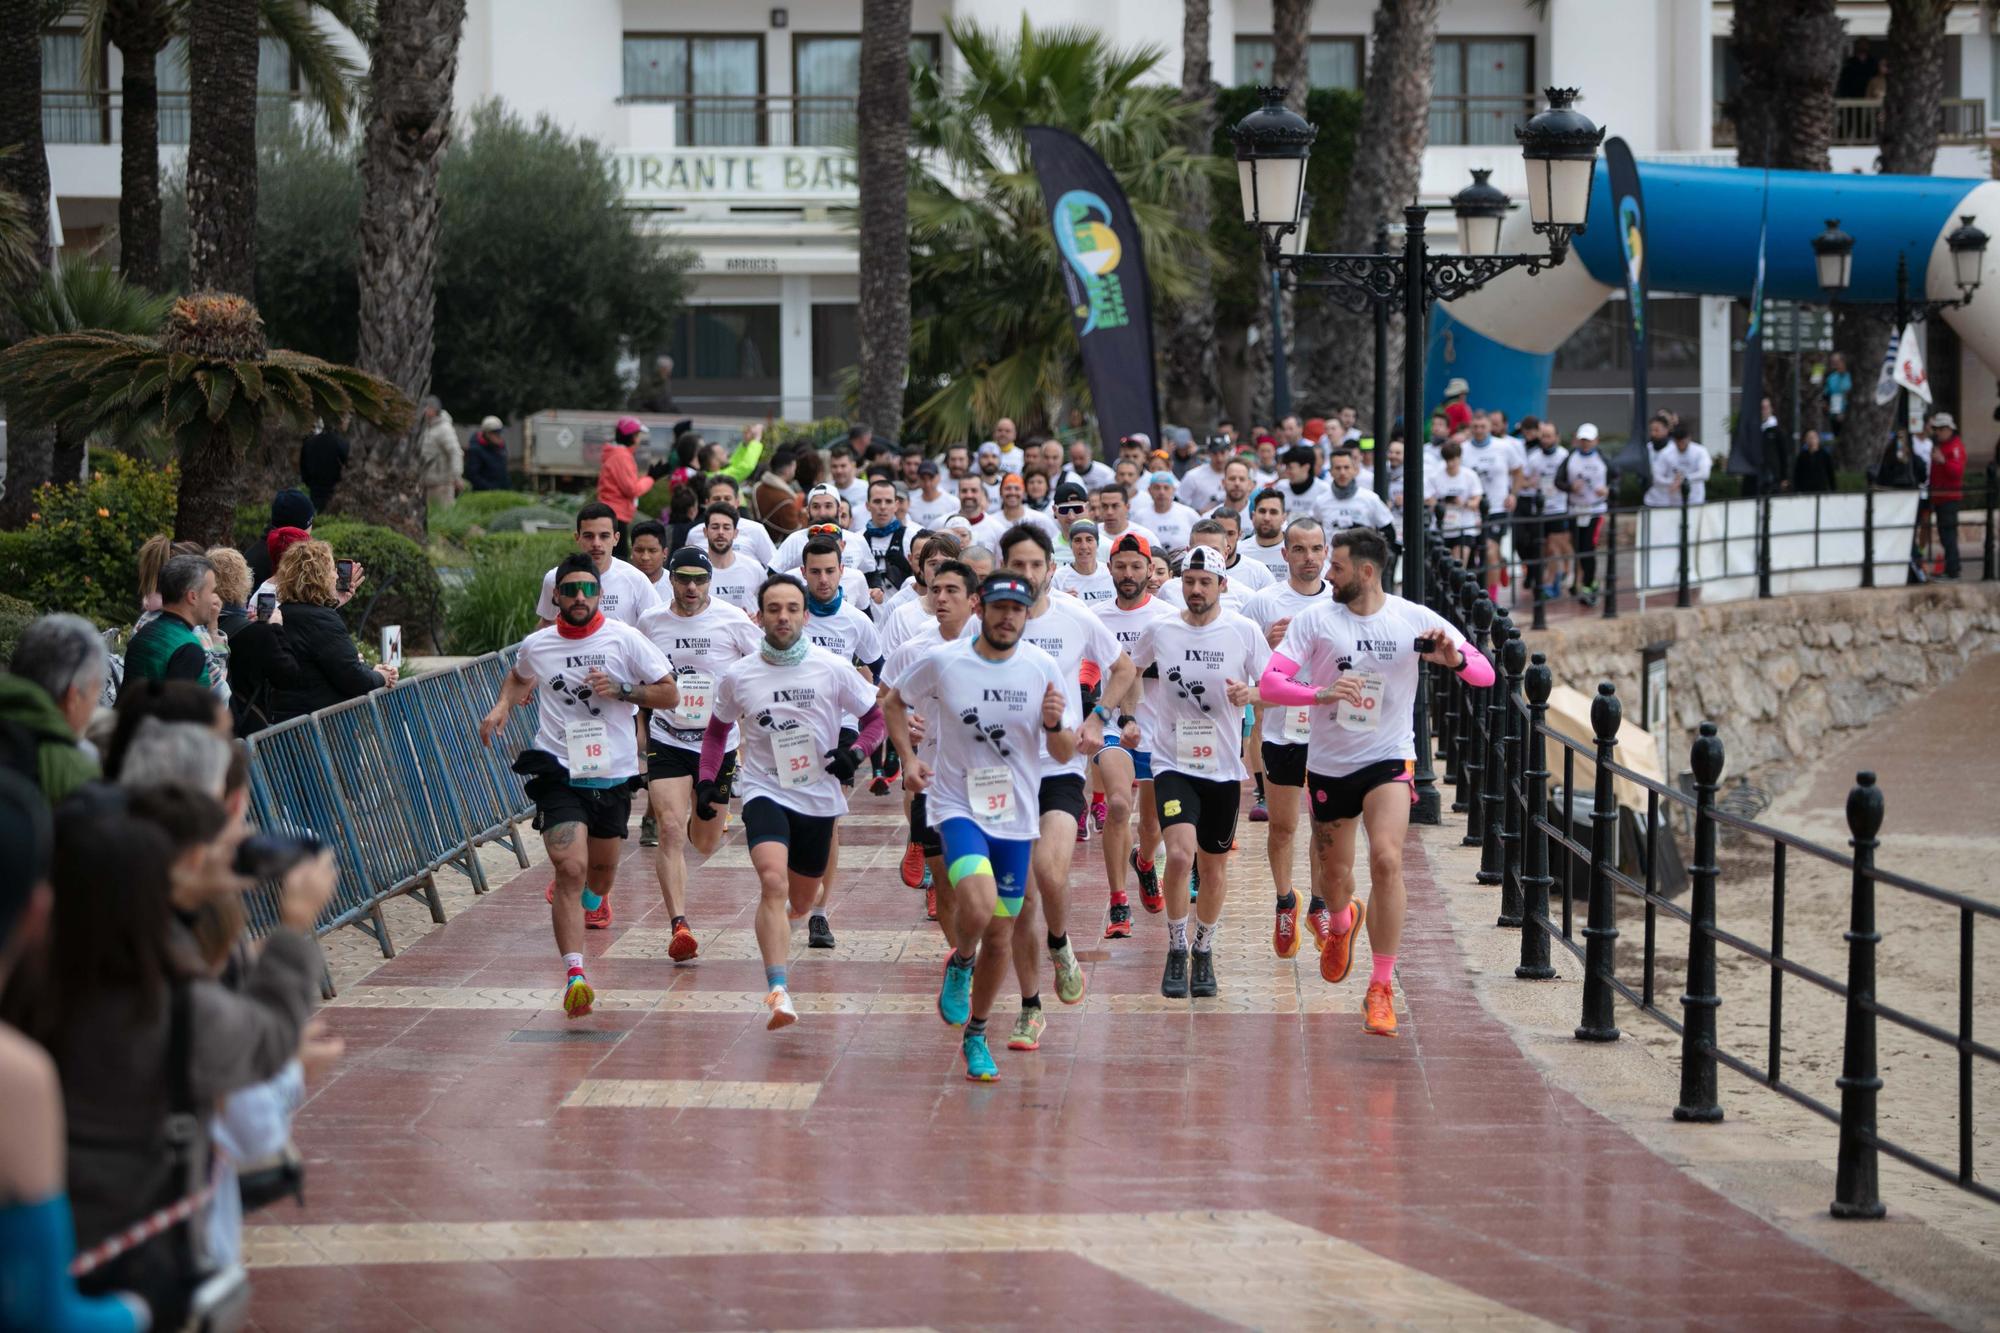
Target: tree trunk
<point x="1789" y="53"/>
<point x="883" y="125"/>
<point x="25" y="171"/>
<point x="1291" y="49"/>
<point x="222" y="146"/>
<point x="1192" y="396"/>
<point x="210" y="479"/>
<point x="1388" y="161"/>
<point x="139" y="31"/>
<point x="412" y="61"/>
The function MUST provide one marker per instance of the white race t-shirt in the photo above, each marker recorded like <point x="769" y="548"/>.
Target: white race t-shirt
<point x="754" y="540"/>
<point x="854" y="553"/>
<point x="848" y="634"/>
<point x="928" y="638"/>
<point x="1250" y="576"/>
<point x="699" y="648"/>
<point x="1495" y="464"/>
<point x="1540" y="469"/>
<point x="1281" y="601"/>
<point x="1460" y="494"/>
<point x="1330" y="641"/>
<point x="624" y="594"/>
<point x="1184" y="704"/>
<point x="988" y="716"/>
<point x="1126" y="627"/>
<point x="792" y="714"/>
<point x="558" y="666"/>
<point x="931" y="513"/>
<point x="1270" y="557"/>
<point x="1174" y="527"/>
<point x="1091" y="589"/>
<point x="1071" y="636"/>
<point x="1363" y="509"/>
<point x="1200" y="488"/>
<point x="738" y="584"/>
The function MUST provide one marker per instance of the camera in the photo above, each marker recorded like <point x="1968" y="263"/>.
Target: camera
<point x="264" y="856"/>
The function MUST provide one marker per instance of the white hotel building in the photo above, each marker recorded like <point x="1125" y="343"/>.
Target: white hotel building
<point x="724" y="120"/>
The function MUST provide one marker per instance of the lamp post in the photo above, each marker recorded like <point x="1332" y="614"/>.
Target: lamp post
<point x="1281" y="380"/>
<point x="1559" y="146"/>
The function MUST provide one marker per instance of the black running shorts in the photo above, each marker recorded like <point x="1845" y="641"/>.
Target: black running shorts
<point x="1209" y="806"/>
<point x="1063" y="793"/>
<point x="1285" y="765"/>
<point x="808" y="839"/>
<point x="1341" y="797"/>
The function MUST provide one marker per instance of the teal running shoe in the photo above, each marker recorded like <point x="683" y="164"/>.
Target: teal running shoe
<point x="955" y="995"/>
<point x="979" y="1066"/>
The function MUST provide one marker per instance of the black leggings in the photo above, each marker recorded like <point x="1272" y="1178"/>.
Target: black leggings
<point x="1584" y="538"/>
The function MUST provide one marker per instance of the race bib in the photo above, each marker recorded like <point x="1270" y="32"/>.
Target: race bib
<point x="697" y="700"/>
<point x="1196" y="745"/>
<point x="792" y="754"/>
<point x="990" y="792"/>
<point x="587" y="738"/>
<point x="1366" y="715"/>
<point x="1298" y="726"/>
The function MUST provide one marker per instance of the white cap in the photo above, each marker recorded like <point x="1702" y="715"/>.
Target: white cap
<point x="823" y="491"/>
<point x="1206" y="558"/>
<point x="1586" y="431"/>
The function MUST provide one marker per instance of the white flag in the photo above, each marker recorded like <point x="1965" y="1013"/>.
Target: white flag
<point x="1885" y="382"/>
<point x="1910" y="365"/>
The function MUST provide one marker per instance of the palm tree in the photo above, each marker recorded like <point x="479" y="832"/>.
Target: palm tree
<point x="24" y="224"/>
<point x="1193" y="397"/>
<point x="413" y="57"/>
<point x="1788" y="52"/>
<point x="206" y="379"/>
<point x="992" y="333"/>
<point x="142" y="30"/>
<point x="222" y="147"/>
<point x="1291" y="49"/>
<point x="883" y="159"/>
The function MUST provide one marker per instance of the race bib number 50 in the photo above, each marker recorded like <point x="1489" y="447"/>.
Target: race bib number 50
<point x="1366" y="715"/>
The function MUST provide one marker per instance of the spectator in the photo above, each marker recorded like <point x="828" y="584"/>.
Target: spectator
<point x="182" y="755"/>
<point x="1860" y="66"/>
<point x="57" y="676"/>
<point x="163" y="701"/>
<point x="154" y="553"/>
<point x="1838" y="385"/>
<point x="744" y="458"/>
<point x="619" y="483"/>
<point x="322" y="458"/>
<point x="1777" y="464"/>
<point x="232" y="586"/>
<point x="36" y="1231"/>
<point x="289" y="509"/>
<point x="170" y="647"/>
<point x="1900" y="468"/>
<point x="440" y="456"/>
<point x="657" y="394"/>
<point x="1680" y="469"/>
<point x="486" y="457"/>
<point x="1457" y="414"/>
<point x="1812" y="470"/>
<point x="1947" y="480"/>
<point x="329" y="670"/>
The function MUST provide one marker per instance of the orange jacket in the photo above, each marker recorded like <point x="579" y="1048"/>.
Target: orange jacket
<point x="619" y="483"/>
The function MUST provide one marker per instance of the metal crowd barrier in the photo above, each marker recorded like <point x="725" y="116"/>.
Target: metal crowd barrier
<point x="397" y="785"/>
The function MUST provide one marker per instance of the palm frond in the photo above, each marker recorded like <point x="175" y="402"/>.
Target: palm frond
<point x="330" y="75"/>
<point x="81" y="293"/>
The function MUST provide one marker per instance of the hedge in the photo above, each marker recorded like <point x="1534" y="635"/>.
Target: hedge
<point x="401" y="587"/>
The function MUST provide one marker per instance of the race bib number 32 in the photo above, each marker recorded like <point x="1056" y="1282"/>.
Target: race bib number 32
<point x="793" y="757"/>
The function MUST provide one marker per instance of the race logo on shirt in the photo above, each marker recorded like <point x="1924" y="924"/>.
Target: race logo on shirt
<point x="1383" y="650"/>
<point x="1016" y="700"/>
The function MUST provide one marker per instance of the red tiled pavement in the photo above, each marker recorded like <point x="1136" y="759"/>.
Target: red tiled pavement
<point x="1443" y="1151"/>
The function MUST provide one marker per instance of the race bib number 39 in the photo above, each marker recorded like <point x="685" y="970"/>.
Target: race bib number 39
<point x="792" y="755"/>
<point x="1366" y="715"/>
<point x="990" y="793"/>
<point x="1195" y="746"/>
<point x="697" y="699"/>
<point x="587" y="757"/>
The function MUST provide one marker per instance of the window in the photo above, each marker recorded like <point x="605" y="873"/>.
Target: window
<point x="1481" y="88"/>
<point x="826" y="78"/>
<point x="70" y="113"/>
<point x="277" y="89"/>
<point x="716" y="84"/>
<point x="836" y="335"/>
<point x="726" y="356"/>
<point x="1331" y="62"/>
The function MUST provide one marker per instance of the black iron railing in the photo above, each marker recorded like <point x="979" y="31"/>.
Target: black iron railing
<point x="1493" y="742"/>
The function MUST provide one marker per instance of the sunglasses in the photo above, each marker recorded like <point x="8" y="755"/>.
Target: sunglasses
<point x="824" y="530"/>
<point x="1069" y="509"/>
<point x="577" y="590"/>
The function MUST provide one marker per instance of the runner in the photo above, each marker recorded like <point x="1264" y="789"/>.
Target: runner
<point x="1364" y="648"/>
<point x="737" y="577"/>
<point x="1128" y="764"/>
<point x="837" y="625"/>
<point x="1084" y="578"/>
<point x="823" y="510"/>
<point x="1165" y="516"/>
<point x="1248" y="577"/>
<point x="1284" y="733"/>
<point x="1460" y="491"/>
<point x="1089" y="659"/>
<point x="1198" y="668"/>
<point x="931" y="504"/>
<point x="998" y="702"/>
<point x="1496" y="461"/>
<point x="1546" y="468"/>
<point x="1267" y="526"/>
<point x="700" y="637"/>
<point x="952" y="586"/>
<point x="594" y="675"/>
<point x="1589" y="485"/>
<point x="791" y="696"/>
<point x="1114" y="519"/>
<point x="624" y="593"/>
<point x="1349" y="502"/>
<point x="753" y="539"/>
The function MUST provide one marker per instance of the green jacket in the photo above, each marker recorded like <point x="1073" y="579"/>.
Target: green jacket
<point x="743" y="461"/>
<point x="61" y="767"/>
<point x="168" y="649"/>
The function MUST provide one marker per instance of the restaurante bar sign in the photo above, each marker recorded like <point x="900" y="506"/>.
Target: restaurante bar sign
<point x="680" y="175"/>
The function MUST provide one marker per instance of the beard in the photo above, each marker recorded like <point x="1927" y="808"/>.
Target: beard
<point x="1346" y="592"/>
<point x="1129" y="589"/>
<point x="780" y="640"/>
<point x="578" y="613"/>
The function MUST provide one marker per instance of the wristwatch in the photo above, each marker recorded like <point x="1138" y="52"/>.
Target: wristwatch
<point x="1052" y="730"/>
<point x="624" y="689"/>
<point x="1125" y="720"/>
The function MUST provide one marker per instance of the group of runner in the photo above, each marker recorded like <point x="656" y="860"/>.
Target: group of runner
<point x="1036" y="678"/>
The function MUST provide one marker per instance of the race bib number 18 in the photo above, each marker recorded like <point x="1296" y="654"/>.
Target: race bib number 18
<point x="586" y="738"/>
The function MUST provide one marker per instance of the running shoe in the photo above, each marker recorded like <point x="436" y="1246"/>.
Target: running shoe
<point x="913" y="866"/>
<point x="1285" y="935"/>
<point x="1194" y="882"/>
<point x="1083" y="828"/>
<point x="1097" y="815"/>
<point x="1119" y="927"/>
<point x="1069" y="974"/>
<point x="577" y="996"/>
<point x="1149" y="884"/>
<point x="979" y="1066"/>
<point x="682" y="947"/>
<point x="600" y="919"/>
<point x="1259" y="815"/>
<point x="1027" y="1033"/>
<point x="1174" y="981"/>
<point x="1203" y="984"/>
<point x="819" y="933"/>
<point x="549" y="894"/>
<point x="927" y="874"/>
<point x="782" y="1014"/>
<point x="1378" y="1010"/>
<point x="879" y="786"/>
<point x="649" y="832"/>
<point x="1338" y="955"/>
<point x="955" y="995"/>
<point x="930" y="902"/>
<point x="1321" y="925"/>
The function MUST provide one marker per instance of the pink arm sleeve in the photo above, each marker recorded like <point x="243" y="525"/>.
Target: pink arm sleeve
<point x="873" y="727"/>
<point x="1276" y="685"/>
<point x="1477" y="671"/>
<point x="713" y="742"/>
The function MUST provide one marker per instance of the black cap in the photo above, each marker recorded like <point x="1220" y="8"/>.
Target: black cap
<point x="1071" y="493"/>
<point x="691" y="562"/>
<point x="927" y="468"/>
<point x="1216" y="442"/>
<point x="1003" y="587"/>
<point x="1301" y="453"/>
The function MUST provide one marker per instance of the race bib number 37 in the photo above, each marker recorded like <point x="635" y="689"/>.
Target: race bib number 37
<point x="990" y="792"/>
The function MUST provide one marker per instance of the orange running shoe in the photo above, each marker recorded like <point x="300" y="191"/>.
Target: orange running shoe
<point x="599" y="919"/>
<point x="913" y="867"/>
<point x="1321" y="925"/>
<point x="1338" y="955"/>
<point x="1285" y="935"/>
<point x="683" y="946"/>
<point x="1378" y="1011"/>
<point x="782" y="1013"/>
<point x="930" y="903"/>
<point x="577" y="996"/>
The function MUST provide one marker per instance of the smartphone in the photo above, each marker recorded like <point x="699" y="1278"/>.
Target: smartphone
<point x="267" y="602"/>
<point x="343" y="575"/>
<point x="1428" y="643"/>
<point x="265" y="856"/>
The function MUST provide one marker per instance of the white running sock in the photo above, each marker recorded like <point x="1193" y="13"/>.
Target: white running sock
<point x="1204" y="935"/>
<point x="1177" y="933"/>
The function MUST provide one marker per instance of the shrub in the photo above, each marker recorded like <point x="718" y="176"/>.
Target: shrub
<point x="496" y="607"/>
<point x="473" y="510"/>
<point x="547" y="547"/>
<point x="15" y="616"/>
<point x="401" y="588"/>
<point x="81" y="550"/>
<point x="516" y="520"/>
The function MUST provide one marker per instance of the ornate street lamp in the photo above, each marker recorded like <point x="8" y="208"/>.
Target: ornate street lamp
<point x="1480" y="207"/>
<point x="1273" y="144"/>
<point x="1968" y="253"/>
<point x="1560" y="144"/>
<point x="1833" y="257"/>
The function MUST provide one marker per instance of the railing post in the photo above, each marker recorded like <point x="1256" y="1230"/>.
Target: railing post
<point x="1493" y="769"/>
<point x="1449" y="589"/>
<point x="1684" y="595"/>
<point x="1535" y="878"/>
<point x="1472" y="756"/>
<point x="1856" y="1189"/>
<point x="1699" y="1003"/>
<point x="1868" y="537"/>
<point x="1989" y="557"/>
<point x="1600" y="931"/>
<point x="1515" y="658"/>
<point x="1540" y="619"/>
<point x="1764" y="545"/>
<point x="1609" y="558"/>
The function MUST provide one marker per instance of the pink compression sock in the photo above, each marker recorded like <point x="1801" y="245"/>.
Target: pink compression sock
<point x="1383" y="968"/>
<point x="1343" y="920"/>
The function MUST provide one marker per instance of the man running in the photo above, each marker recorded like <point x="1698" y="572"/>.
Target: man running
<point x="791" y="696"/>
<point x="701" y="638"/>
<point x="837" y="625"/>
<point x="1267" y="526"/>
<point x="594" y="675"/>
<point x="1198" y="666"/>
<point x="736" y="576"/>
<point x="753" y="539"/>
<point x="952" y="586"/>
<point x="997" y="702"/>
<point x="1363" y="648"/>
<point x="624" y="593"/>
<point x="1084" y="578"/>
<point x="1126" y="769"/>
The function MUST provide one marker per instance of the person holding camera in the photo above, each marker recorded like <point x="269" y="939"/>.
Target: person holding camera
<point x="325" y="669"/>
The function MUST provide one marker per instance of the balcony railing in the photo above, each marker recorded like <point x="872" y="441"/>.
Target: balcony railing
<point x="1465" y="120"/>
<point x="711" y="120"/>
<point x="82" y="115"/>
<point x="1857" y="122"/>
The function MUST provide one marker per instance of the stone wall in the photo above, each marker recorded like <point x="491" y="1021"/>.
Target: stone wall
<point x="1783" y="679"/>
